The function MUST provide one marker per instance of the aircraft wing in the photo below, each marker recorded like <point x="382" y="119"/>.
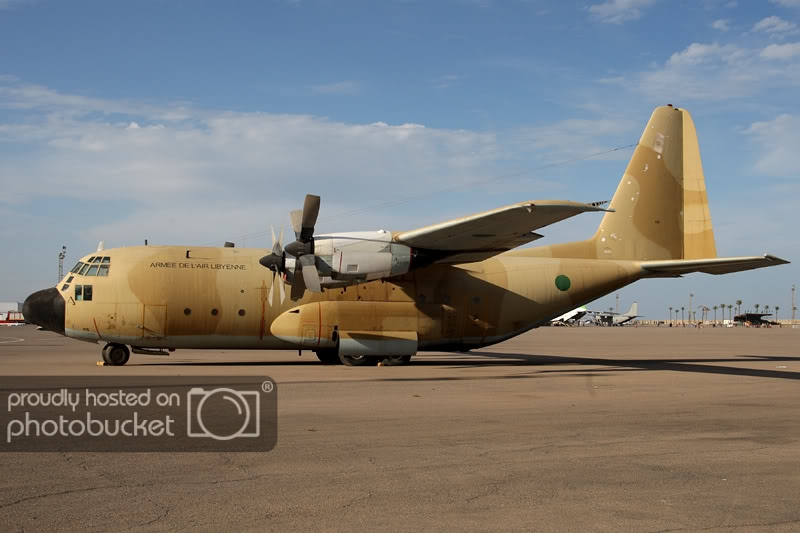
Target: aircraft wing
<point x="483" y="235"/>
<point x="725" y="265"/>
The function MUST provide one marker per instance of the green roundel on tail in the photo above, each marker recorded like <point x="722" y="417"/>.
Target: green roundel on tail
<point x="562" y="282"/>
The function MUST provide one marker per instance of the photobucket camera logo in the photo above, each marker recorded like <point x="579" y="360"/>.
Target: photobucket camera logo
<point x="246" y="421"/>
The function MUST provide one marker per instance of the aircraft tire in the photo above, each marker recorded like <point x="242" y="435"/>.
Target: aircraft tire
<point x="328" y="357"/>
<point x="396" y="360"/>
<point x="116" y="354"/>
<point x="358" y="360"/>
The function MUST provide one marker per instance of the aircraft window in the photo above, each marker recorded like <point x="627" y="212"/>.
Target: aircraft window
<point x="214" y="312"/>
<point x="90" y="259"/>
<point x="69" y="279"/>
<point x="77" y="267"/>
<point x="96" y="259"/>
<point x="241" y="312"/>
<point x="106" y="260"/>
<point x="187" y="311"/>
<point x="103" y="271"/>
<point x="92" y="271"/>
<point x="78" y="293"/>
<point x="83" y="270"/>
<point x="87" y="293"/>
<point x="65" y="287"/>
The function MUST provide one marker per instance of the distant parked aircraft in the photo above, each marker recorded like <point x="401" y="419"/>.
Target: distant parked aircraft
<point x="570" y="318"/>
<point x="609" y="318"/>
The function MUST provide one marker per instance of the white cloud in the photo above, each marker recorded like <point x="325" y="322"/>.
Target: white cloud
<point x="786" y="3"/>
<point x="775" y="26"/>
<point x="779" y="139"/>
<point x="215" y="174"/>
<point x="620" y="11"/>
<point x="721" y="24"/>
<point x="781" y="51"/>
<point x="340" y="87"/>
<point x="713" y="71"/>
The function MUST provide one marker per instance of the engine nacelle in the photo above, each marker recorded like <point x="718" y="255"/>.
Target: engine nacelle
<point x="360" y="256"/>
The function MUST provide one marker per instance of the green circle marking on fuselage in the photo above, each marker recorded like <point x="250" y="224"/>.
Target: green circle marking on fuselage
<point x="562" y="282"/>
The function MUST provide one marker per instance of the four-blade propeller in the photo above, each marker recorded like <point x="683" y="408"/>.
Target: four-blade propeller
<point x="305" y="275"/>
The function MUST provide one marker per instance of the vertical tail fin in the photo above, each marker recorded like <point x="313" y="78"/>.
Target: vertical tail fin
<point x="661" y="208"/>
<point x="634" y="310"/>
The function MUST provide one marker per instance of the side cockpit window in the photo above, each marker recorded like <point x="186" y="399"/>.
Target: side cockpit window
<point x="83" y="293"/>
<point x="77" y="268"/>
<point x="94" y="266"/>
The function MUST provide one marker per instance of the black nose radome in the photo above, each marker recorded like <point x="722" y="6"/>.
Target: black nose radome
<point x="46" y="309"/>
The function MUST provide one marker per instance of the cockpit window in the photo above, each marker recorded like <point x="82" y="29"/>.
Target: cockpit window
<point x="78" y="293"/>
<point x="87" y="293"/>
<point x="94" y="266"/>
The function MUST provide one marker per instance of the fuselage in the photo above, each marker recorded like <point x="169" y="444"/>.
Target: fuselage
<point x="200" y="297"/>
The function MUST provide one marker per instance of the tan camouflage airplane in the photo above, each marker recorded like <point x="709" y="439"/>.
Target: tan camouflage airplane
<point x="359" y="298"/>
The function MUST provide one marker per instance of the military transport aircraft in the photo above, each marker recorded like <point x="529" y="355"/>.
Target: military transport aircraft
<point x="608" y="318"/>
<point x="357" y="298"/>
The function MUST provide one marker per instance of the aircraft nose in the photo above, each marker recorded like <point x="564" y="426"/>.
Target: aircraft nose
<point x="45" y="308"/>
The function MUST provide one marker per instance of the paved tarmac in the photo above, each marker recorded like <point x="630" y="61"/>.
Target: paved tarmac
<point x="561" y="429"/>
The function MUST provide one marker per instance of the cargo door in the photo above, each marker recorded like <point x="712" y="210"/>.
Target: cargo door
<point x="155" y="322"/>
<point x="127" y="323"/>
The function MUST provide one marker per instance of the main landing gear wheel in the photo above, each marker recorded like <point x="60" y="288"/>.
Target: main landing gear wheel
<point x="116" y="354"/>
<point x="328" y="357"/>
<point x="358" y="360"/>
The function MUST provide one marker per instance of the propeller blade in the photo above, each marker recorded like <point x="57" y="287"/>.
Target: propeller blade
<point x="298" y="284"/>
<point x="310" y="274"/>
<point x="297" y="222"/>
<point x="310" y="213"/>
<point x="269" y="296"/>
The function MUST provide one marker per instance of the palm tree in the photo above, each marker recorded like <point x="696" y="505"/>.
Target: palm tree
<point x="730" y="312"/>
<point x="738" y="307"/>
<point x="682" y="322"/>
<point x="670" y="313"/>
<point x="756" y="306"/>
<point x="715" y="313"/>
<point x="777" y="308"/>
<point x="766" y="308"/>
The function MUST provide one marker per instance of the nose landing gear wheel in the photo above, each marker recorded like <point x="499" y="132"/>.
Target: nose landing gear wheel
<point x="116" y="354"/>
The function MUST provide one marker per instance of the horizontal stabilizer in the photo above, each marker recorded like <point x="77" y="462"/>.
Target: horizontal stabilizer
<point x="721" y="265"/>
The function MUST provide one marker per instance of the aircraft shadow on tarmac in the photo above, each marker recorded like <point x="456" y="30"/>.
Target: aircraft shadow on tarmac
<point x="476" y="359"/>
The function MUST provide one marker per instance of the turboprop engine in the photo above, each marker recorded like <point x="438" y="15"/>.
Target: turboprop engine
<point x="316" y="261"/>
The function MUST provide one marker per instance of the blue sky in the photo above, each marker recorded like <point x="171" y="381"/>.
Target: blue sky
<point x="200" y="121"/>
